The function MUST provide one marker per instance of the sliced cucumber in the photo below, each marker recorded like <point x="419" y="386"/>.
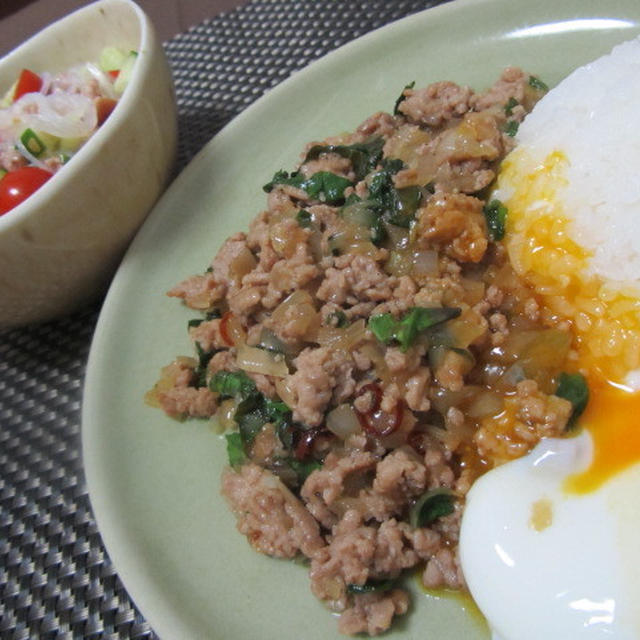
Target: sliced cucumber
<point x="125" y="72"/>
<point x="112" y="58"/>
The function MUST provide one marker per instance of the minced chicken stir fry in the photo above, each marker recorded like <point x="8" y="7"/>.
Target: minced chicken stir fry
<point x="370" y="352"/>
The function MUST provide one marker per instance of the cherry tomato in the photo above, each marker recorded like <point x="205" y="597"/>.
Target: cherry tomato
<point x="28" y="82"/>
<point x="104" y="107"/>
<point x="18" y="185"/>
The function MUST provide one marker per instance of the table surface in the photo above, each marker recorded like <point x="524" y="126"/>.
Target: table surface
<point x="56" y="578"/>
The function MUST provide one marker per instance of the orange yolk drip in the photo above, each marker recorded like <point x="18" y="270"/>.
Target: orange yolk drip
<point x="612" y="418"/>
<point x="605" y="318"/>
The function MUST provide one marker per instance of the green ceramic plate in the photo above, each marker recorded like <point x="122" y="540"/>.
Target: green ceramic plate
<point x="154" y="483"/>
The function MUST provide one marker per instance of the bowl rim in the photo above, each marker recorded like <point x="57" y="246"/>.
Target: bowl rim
<point x="64" y="175"/>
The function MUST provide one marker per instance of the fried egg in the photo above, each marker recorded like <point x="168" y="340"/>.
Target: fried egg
<point x="548" y="543"/>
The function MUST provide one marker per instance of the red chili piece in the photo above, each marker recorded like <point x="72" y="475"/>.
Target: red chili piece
<point x="28" y="82"/>
<point x="114" y="73"/>
<point x="224" y="328"/>
<point x="305" y="442"/>
<point x="377" y="422"/>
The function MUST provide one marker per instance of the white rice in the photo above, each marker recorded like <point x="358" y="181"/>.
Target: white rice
<point x="592" y="117"/>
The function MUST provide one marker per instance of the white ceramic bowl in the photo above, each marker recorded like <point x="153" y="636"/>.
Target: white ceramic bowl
<point x="60" y="247"/>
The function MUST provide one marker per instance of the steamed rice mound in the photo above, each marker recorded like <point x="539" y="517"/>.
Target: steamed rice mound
<point x="574" y="200"/>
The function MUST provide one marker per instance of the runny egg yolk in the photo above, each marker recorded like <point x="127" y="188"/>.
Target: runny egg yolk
<point x="604" y="316"/>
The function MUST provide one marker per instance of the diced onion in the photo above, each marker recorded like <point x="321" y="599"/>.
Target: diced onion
<point x="285" y="392"/>
<point x="425" y="262"/>
<point x="260" y="361"/>
<point x="345" y="339"/>
<point x="343" y="422"/>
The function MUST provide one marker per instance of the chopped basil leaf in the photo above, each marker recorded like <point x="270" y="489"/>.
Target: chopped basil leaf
<point x="430" y="506"/>
<point x="303" y="218"/>
<point x="210" y="315"/>
<point x="402" y="97"/>
<point x="509" y="106"/>
<point x="370" y="586"/>
<point x="323" y="185"/>
<point x="203" y="361"/>
<point x="495" y="214"/>
<point x="235" y="449"/>
<point x="233" y="384"/>
<point x="337" y="319"/>
<point x="327" y="186"/>
<point x="536" y="83"/>
<point x="405" y="330"/>
<point x="573" y="387"/>
<point x="303" y="469"/>
<point x="396" y="206"/>
<point x="511" y="128"/>
<point x="257" y="410"/>
<point x="364" y="156"/>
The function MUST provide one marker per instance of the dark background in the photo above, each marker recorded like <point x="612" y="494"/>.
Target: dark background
<point x="20" y="19"/>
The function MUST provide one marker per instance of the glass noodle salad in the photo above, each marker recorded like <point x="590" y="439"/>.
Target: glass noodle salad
<point x="45" y="118"/>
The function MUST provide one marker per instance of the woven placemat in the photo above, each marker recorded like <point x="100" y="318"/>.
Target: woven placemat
<point x="56" y="579"/>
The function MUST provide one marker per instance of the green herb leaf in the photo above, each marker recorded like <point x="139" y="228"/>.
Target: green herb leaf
<point x="203" y="361"/>
<point x="405" y="330"/>
<point x="536" y="83"/>
<point x="256" y="410"/>
<point x="402" y="97"/>
<point x="323" y="185"/>
<point x="383" y="327"/>
<point x="396" y="206"/>
<point x="511" y="128"/>
<point x="235" y="450"/>
<point x="337" y="319"/>
<point x="371" y="586"/>
<point x="495" y="214"/>
<point x="509" y="106"/>
<point x="573" y="387"/>
<point x="303" y="218"/>
<point x="233" y="384"/>
<point x="430" y="506"/>
<point x="304" y="469"/>
<point x="364" y="156"/>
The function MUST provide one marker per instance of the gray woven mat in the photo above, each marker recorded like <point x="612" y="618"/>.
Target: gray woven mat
<point x="56" y="579"/>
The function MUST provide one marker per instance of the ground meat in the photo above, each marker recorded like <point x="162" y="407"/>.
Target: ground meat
<point x="513" y="83"/>
<point x="443" y="570"/>
<point x="320" y="373"/>
<point x="526" y="418"/>
<point x="199" y="292"/>
<point x="208" y="336"/>
<point x="325" y="486"/>
<point x="413" y="408"/>
<point x="182" y="402"/>
<point x="273" y="519"/>
<point x="372" y="613"/>
<point x="355" y="278"/>
<point x="288" y="275"/>
<point x="455" y="222"/>
<point x="331" y="162"/>
<point x="401" y="475"/>
<point x="436" y="104"/>
<point x="379" y="124"/>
